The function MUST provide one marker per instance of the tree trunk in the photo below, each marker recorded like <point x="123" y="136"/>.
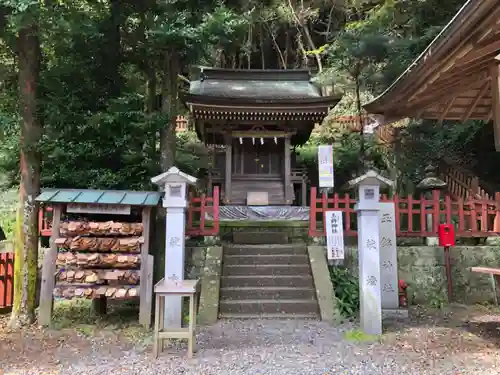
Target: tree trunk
<point x="169" y="108"/>
<point x="261" y="45"/>
<point x="26" y="241"/>
<point x="150" y="109"/>
<point x="363" y="152"/>
<point x="312" y="46"/>
<point x="287" y="48"/>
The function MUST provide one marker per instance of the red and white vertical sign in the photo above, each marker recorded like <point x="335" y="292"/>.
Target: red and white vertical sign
<point x="334" y="235"/>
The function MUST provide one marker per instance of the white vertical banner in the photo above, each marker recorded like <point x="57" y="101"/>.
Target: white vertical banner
<point x="325" y="166"/>
<point x="388" y="256"/>
<point x="334" y="235"/>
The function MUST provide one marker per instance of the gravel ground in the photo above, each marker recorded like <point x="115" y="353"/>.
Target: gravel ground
<point x="266" y="347"/>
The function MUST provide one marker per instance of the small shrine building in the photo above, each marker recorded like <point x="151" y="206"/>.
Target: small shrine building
<point x="251" y="121"/>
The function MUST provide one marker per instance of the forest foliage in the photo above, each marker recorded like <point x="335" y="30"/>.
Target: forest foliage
<point x="110" y="71"/>
<point x="89" y="89"/>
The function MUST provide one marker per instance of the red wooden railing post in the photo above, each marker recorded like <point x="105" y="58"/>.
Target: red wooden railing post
<point x="3" y="279"/>
<point x="9" y="301"/>
<point x="203" y="204"/>
<point x="324" y="208"/>
<point x="189" y="228"/>
<point x="215" y="206"/>
<point x="496" y="222"/>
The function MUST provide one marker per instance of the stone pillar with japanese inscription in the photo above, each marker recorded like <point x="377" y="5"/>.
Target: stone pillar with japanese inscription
<point x="174" y="183"/>
<point x="367" y="208"/>
<point x="388" y="256"/>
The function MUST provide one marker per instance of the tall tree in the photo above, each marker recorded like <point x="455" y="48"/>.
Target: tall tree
<point x="23" y="17"/>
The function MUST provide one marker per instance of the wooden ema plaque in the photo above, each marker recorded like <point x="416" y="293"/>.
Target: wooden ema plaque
<point x="98" y="259"/>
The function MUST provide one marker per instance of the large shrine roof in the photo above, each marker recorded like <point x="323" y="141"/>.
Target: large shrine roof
<point x="232" y="98"/>
<point x="252" y="84"/>
<point x="451" y="79"/>
<point x="259" y="87"/>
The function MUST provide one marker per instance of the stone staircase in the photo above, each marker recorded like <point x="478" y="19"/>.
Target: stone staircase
<point x="267" y="281"/>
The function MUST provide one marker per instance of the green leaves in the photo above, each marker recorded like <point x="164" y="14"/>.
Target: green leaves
<point x="20" y="6"/>
<point x="346" y="289"/>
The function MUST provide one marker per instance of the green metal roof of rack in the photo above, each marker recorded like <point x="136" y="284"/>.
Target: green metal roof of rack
<point x="85" y="196"/>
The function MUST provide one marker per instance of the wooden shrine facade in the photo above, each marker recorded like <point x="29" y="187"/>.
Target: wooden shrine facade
<point x="456" y="77"/>
<point x="251" y="120"/>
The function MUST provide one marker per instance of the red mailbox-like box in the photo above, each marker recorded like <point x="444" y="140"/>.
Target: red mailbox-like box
<point x="446" y="234"/>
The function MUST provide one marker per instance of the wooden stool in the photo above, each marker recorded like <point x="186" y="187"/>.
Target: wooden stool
<point x="181" y="288"/>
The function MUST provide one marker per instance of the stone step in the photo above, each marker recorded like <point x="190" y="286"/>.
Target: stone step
<point x="275" y="249"/>
<point x="263" y="238"/>
<point x="305" y="281"/>
<point x="287" y="292"/>
<point x="266" y="269"/>
<point x="262" y="259"/>
<point x="268" y="316"/>
<point x="263" y="306"/>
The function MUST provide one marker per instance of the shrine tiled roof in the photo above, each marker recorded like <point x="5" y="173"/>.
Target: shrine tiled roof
<point x="89" y="196"/>
<point x="265" y="84"/>
<point x="256" y="86"/>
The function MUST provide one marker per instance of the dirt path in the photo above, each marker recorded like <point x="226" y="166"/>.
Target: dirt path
<point x="457" y="340"/>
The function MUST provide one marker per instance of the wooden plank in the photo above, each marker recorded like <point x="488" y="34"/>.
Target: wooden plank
<point x="475" y="102"/>
<point x="149" y="293"/>
<point x="9" y="266"/>
<point x="3" y="279"/>
<point x="158" y="326"/>
<point x="493" y="271"/>
<point x="48" y="271"/>
<point x="144" y="312"/>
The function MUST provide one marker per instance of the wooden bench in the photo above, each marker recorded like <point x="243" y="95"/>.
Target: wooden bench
<point x="495" y="279"/>
<point x="181" y="288"/>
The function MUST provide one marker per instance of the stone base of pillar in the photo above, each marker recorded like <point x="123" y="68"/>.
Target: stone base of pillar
<point x="431" y="241"/>
<point x="395" y="314"/>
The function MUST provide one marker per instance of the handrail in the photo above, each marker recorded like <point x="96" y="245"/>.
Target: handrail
<point x="462" y="183"/>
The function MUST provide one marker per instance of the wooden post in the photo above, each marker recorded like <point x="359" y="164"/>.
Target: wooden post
<point x="495" y="99"/>
<point x="227" y="176"/>
<point x="303" y="191"/>
<point x="144" y="309"/>
<point x="48" y="272"/>
<point x="496" y="223"/>
<point x="287" y="171"/>
<point x="312" y="213"/>
<point x="474" y="186"/>
<point x="209" y="187"/>
<point x="100" y="305"/>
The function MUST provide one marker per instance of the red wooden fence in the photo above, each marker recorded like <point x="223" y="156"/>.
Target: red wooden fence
<point x="182" y="124"/>
<point x="196" y="220"/>
<point x="198" y="207"/>
<point x="45" y="221"/>
<point x="6" y="279"/>
<point x="471" y="217"/>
